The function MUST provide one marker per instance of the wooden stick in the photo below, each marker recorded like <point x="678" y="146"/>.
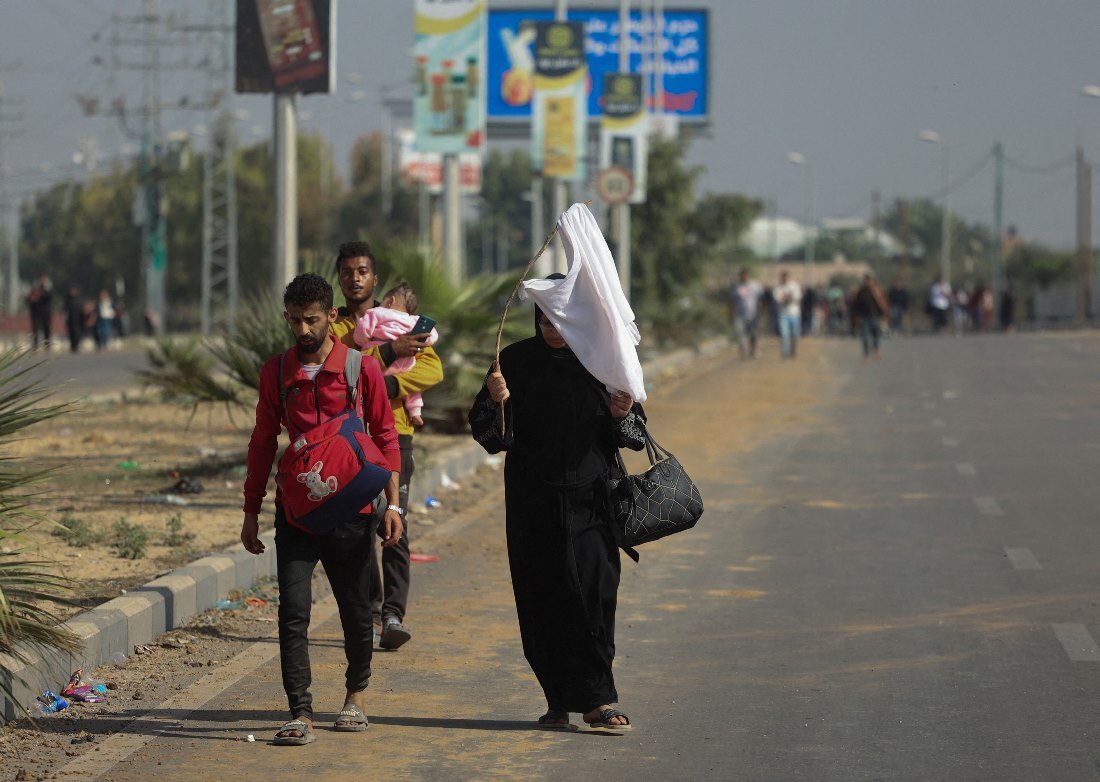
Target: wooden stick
<point x="507" y="304"/>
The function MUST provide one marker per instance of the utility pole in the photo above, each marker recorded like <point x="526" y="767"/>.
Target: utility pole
<point x="622" y="211"/>
<point x="998" y="220"/>
<point x="452" y="215"/>
<point x="9" y="204"/>
<point x="561" y="14"/>
<point x="1084" y="236"/>
<point x="903" y="216"/>
<point x="220" y="288"/>
<point x="876" y="222"/>
<point x="285" y="227"/>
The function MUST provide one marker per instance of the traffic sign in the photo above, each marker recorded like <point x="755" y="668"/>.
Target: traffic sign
<point x="614" y="185"/>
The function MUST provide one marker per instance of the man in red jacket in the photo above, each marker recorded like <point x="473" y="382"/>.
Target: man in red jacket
<point x="314" y="375"/>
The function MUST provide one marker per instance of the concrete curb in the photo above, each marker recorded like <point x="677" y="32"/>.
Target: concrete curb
<point x="142" y="614"/>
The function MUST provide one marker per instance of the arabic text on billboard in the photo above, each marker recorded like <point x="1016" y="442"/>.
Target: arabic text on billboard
<point x="511" y="60"/>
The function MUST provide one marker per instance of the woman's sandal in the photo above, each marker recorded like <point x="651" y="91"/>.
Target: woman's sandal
<point x="304" y="731"/>
<point x="350" y="720"/>
<point x="604" y="723"/>
<point x="553" y="720"/>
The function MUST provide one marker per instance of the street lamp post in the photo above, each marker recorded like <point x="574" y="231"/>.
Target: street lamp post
<point x="798" y="159"/>
<point x="932" y="137"/>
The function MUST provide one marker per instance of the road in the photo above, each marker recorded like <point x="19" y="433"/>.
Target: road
<point x="895" y="579"/>
<point x="91" y="373"/>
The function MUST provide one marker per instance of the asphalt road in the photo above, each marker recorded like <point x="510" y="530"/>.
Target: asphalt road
<point x="90" y="373"/>
<point x="897" y="581"/>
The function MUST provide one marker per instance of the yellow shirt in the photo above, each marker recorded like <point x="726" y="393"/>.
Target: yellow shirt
<point x="427" y="372"/>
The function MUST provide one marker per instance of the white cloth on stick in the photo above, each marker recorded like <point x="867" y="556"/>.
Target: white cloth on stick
<point x="588" y="307"/>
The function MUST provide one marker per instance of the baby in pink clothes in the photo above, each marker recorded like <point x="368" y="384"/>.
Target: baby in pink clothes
<point x="394" y="317"/>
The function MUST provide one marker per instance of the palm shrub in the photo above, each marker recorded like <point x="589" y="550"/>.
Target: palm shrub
<point x="28" y="588"/>
<point x="468" y="315"/>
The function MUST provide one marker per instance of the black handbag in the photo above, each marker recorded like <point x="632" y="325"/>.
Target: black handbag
<point x="659" y="502"/>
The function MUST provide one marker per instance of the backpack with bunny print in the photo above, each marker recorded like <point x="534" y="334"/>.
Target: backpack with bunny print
<point x="334" y="470"/>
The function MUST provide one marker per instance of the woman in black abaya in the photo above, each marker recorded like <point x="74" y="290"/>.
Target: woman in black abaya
<point x="561" y="431"/>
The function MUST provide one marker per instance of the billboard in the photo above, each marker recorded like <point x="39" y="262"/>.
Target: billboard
<point x="509" y="75"/>
<point x="286" y="46"/>
<point x="624" y="129"/>
<point x="427" y="167"/>
<point x="449" y="103"/>
<point x="561" y="87"/>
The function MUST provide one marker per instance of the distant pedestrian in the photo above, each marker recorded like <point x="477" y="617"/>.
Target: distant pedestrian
<point x="744" y="305"/>
<point x="74" y="318"/>
<point x="788" y="300"/>
<point x="1008" y="309"/>
<point x="40" y="305"/>
<point x="870" y="306"/>
<point x="104" y="320"/>
<point x="898" y="299"/>
<point x="808" y="304"/>
<point x="939" y="304"/>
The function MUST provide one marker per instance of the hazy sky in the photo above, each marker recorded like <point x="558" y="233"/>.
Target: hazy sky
<point x="848" y="83"/>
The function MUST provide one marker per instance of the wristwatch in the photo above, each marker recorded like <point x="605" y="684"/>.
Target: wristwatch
<point x="398" y="508"/>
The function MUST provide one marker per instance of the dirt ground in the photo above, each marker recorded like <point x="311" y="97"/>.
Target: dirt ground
<point x="767" y="399"/>
<point x="139" y="463"/>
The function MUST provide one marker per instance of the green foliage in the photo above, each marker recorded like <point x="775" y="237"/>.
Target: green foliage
<point x="1034" y="265"/>
<point x="183" y="370"/>
<point x="176" y="535"/>
<point x="75" y="532"/>
<point x="129" y="540"/>
<point x="468" y="317"/>
<point x="27" y="587"/>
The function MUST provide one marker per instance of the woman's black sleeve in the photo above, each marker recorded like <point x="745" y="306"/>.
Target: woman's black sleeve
<point x="631" y="432"/>
<point x="485" y="422"/>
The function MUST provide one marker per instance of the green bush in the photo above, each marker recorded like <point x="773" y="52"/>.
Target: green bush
<point x="176" y="535"/>
<point x="75" y="532"/>
<point x="129" y="539"/>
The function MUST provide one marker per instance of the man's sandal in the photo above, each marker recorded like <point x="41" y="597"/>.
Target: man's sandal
<point x="604" y="723"/>
<point x="553" y="720"/>
<point x="350" y="720"/>
<point x="304" y="731"/>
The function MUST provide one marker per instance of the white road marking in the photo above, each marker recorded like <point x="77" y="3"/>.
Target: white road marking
<point x="988" y="506"/>
<point x="1022" y="559"/>
<point x="929" y="405"/>
<point x="169" y="714"/>
<point x="950" y="394"/>
<point x="966" y="468"/>
<point x="1078" y="643"/>
<point x="938" y="423"/>
<point x="950" y="442"/>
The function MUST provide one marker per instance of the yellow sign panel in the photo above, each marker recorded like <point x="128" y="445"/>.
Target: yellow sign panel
<point x="559" y="157"/>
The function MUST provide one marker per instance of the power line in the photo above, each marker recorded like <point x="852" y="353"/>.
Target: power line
<point x="1025" y="168"/>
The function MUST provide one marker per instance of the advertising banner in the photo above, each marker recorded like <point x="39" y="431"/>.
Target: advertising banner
<point x="449" y="103"/>
<point x="286" y="46"/>
<point x="624" y="129"/>
<point x="560" y="111"/>
<point x="509" y="78"/>
<point x="427" y="167"/>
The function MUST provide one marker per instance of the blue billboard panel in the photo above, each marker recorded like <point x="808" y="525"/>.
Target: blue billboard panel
<point x="510" y="73"/>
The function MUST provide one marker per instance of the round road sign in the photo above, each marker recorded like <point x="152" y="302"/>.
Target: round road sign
<point x="614" y="185"/>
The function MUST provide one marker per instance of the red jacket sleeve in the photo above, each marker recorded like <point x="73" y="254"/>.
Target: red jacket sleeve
<point x="377" y="413"/>
<point x="265" y="437"/>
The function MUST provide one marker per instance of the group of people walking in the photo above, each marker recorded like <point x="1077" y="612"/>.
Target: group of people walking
<point x="863" y="310"/>
<point x="560" y="429"/>
<point x="102" y="318"/>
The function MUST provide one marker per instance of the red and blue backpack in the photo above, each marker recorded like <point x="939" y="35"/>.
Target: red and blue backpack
<point x="331" y="472"/>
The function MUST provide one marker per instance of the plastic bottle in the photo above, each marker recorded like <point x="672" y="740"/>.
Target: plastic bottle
<point x="119" y="659"/>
